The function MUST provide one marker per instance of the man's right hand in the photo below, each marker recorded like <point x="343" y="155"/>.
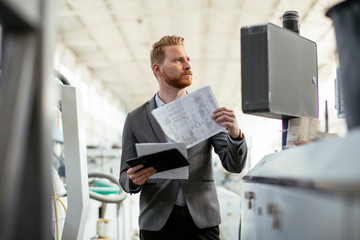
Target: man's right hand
<point x="139" y="177"/>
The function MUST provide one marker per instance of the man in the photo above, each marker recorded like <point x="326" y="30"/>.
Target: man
<point x="171" y="208"/>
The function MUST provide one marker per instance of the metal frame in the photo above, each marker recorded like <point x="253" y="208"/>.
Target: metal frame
<point x="76" y="164"/>
<point x="25" y="122"/>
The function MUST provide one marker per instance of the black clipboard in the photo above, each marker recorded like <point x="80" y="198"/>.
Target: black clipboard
<point x="161" y="161"/>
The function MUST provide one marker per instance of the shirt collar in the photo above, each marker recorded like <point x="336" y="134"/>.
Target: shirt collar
<point x="158" y="101"/>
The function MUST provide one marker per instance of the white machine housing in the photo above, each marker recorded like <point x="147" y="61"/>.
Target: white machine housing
<point x="306" y="192"/>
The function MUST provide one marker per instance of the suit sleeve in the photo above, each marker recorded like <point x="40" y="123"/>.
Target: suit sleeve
<point x="231" y="153"/>
<point x="128" y="151"/>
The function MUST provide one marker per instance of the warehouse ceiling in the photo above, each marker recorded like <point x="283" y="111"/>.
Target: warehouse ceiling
<point x="113" y="39"/>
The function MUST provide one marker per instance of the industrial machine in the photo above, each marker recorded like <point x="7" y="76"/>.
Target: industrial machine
<point x="310" y="191"/>
<point x="306" y="192"/>
<point x="79" y="206"/>
<point x="25" y="123"/>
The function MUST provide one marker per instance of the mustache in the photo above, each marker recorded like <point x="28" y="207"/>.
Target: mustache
<point x="187" y="72"/>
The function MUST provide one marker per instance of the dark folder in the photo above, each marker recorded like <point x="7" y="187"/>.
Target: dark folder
<point x="161" y="161"/>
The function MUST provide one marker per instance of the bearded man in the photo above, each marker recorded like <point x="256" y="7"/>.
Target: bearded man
<point x="173" y="208"/>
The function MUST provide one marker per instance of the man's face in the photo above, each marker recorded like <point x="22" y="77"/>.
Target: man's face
<point x="176" y="68"/>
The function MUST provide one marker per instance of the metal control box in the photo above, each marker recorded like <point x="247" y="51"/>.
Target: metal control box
<point x="279" y="73"/>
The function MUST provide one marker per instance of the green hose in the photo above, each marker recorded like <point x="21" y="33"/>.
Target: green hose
<point x="103" y="187"/>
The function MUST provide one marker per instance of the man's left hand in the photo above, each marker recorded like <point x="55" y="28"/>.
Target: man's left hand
<point x="226" y="118"/>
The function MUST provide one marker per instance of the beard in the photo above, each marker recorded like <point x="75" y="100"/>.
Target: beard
<point x="180" y="81"/>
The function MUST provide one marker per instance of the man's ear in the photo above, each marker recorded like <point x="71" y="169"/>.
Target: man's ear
<point x="157" y="70"/>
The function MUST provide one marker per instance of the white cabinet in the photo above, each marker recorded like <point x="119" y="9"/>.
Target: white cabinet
<point x="277" y="212"/>
<point x="308" y="192"/>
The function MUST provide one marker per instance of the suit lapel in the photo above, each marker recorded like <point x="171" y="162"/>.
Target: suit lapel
<point x="154" y="124"/>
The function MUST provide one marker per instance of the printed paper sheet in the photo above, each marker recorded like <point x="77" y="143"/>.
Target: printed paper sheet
<point x="188" y="119"/>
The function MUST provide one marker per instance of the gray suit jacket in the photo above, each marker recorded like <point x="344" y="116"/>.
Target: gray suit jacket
<point x="158" y="196"/>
